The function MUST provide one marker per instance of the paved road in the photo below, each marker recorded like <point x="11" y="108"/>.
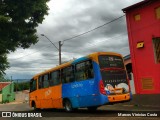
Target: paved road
<point x="110" y="111"/>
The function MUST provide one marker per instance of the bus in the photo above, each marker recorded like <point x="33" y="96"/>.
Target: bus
<point x="88" y="82"/>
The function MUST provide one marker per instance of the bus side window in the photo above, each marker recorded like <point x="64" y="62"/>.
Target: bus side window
<point x="70" y="74"/>
<point x="84" y="70"/>
<point x="33" y="85"/>
<point x="46" y="81"/>
<point x="80" y="71"/>
<point x="67" y="74"/>
<point x="55" y="78"/>
<point x="40" y="82"/>
<point x="63" y="75"/>
<point x="89" y="69"/>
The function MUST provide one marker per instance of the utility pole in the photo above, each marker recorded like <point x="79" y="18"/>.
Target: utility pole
<point x="50" y="41"/>
<point x="59" y="49"/>
<point x="60" y="45"/>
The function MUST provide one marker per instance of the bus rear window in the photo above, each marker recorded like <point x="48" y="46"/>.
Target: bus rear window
<point x="109" y="61"/>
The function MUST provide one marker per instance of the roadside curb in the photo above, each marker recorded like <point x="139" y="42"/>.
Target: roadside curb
<point x="19" y="102"/>
<point x="137" y="105"/>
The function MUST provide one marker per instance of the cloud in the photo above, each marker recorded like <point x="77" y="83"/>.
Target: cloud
<point x="68" y="18"/>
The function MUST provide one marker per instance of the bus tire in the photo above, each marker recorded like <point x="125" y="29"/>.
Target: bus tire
<point x="35" y="108"/>
<point x="92" y="108"/>
<point x="68" y="106"/>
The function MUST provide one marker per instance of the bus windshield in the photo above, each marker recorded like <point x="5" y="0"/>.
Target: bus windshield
<point x="110" y="61"/>
<point x="113" y="73"/>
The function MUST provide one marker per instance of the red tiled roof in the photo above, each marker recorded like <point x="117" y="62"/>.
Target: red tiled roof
<point x="3" y="84"/>
<point x="144" y="2"/>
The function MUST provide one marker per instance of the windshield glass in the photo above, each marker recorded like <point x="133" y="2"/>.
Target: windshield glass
<point x="110" y="61"/>
<point x="113" y="74"/>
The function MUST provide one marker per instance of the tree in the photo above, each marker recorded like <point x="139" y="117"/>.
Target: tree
<point x="21" y="86"/>
<point x="3" y="64"/>
<point x="2" y="79"/>
<point x="18" y="22"/>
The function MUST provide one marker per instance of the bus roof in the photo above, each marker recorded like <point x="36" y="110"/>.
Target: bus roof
<point x="92" y="55"/>
<point x="54" y="68"/>
<point x="104" y="53"/>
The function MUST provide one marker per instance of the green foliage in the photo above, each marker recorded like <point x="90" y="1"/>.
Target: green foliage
<point x="21" y="86"/>
<point x="3" y="65"/>
<point x="18" y="22"/>
<point x="2" y="79"/>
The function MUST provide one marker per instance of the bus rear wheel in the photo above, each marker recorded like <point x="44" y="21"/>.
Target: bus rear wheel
<point x="68" y="106"/>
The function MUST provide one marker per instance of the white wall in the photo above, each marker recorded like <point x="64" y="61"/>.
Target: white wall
<point x="132" y="84"/>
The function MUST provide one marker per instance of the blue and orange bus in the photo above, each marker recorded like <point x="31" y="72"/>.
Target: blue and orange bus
<point x="94" y="80"/>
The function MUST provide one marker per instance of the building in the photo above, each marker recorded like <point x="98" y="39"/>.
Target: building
<point x="128" y="64"/>
<point x="143" y="25"/>
<point x="7" y="92"/>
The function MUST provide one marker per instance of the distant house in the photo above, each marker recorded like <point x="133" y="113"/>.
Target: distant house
<point x="7" y="92"/>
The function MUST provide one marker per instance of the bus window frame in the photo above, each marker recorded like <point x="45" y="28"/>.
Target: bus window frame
<point x="47" y="74"/>
<point x="53" y="80"/>
<point x="72" y="72"/>
<point x="102" y="67"/>
<point x="31" y="82"/>
<point x="40" y="85"/>
<point x="85" y="61"/>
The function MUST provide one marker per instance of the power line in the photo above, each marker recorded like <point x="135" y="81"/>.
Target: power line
<point x="34" y="69"/>
<point x="136" y="30"/>
<point x="90" y="45"/>
<point x="77" y="35"/>
<point x="124" y="33"/>
<point x="93" y="29"/>
<point x="99" y="27"/>
<point x="93" y="44"/>
<point x="27" y="55"/>
<point x="43" y="59"/>
<point x="50" y="41"/>
<point x="84" y="34"/>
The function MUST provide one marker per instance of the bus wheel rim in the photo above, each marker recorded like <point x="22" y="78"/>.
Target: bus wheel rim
<point x="68" y="106"/>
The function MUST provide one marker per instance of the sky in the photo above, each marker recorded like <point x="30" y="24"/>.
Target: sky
<point x="66" y="19"/>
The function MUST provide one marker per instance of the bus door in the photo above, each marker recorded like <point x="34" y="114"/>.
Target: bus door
<point x="56" y="89"/>
<point x="45" y="94"/>
<point x="35" y="94"/>
<point x="84" y="87"/>
<point x="68" y="85"/>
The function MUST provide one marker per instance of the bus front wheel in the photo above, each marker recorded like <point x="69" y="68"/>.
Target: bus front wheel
<point x="68" y="106"/>
<point x="35" y="107"/>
